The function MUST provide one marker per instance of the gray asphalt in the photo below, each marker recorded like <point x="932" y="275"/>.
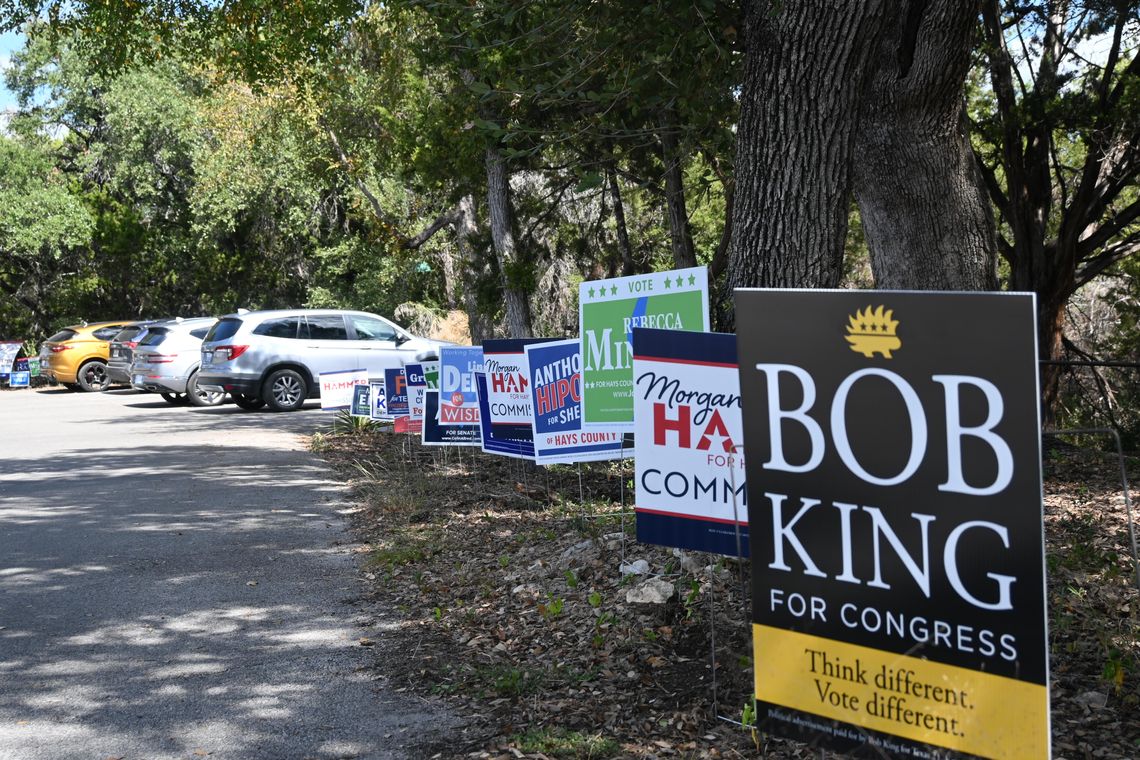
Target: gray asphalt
<point x="176" y="583"/>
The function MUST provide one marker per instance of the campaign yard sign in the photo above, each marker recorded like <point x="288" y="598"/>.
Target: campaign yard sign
<point x="378" y="402"/>
<point x="431" y="375"/>
<point x="361" y="403"/>
<point x="555" y="374"/>
<point x="417" y="386"/>
<point x="458" y="402"/>
<point x="396" y="386"/>
<point x="337" y="388"/>
<point x="608" y="311"/>
<point x="508" y="389"/>
<point x="8" y="351"/>
<point x="515" y="441"/>
<point x="434" y="434"/>
<point x="688" y="442"/>
<point x="893" y="455"/>
<point x="20" y="379"/>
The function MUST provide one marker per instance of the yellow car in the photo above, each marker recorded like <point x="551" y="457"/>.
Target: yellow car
<point x="77" y="356"/>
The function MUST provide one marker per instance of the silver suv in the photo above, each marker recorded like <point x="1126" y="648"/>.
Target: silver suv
<point x="275" y="358"/>
<point x="166" y="361"/>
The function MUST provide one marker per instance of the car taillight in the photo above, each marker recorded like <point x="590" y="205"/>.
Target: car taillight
<point x="60" y="349"/>
<point x="160" y="358"/>
<point x="131" y="343"/>
<point x="228" y="353"/>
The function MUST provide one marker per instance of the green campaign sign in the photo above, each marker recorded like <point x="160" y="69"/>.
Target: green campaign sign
<point x="608" y="311"/>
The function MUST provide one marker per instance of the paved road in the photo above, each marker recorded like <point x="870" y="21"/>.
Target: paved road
<point x="173" y="585"/>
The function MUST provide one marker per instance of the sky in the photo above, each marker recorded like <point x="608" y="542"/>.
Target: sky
<point x="8" y="43"/>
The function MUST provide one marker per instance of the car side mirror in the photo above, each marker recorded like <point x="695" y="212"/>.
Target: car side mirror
<point x="401" y="339"/>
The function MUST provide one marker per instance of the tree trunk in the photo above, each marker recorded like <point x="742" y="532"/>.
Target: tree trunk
<point x="927" y="220"/>
<point x="465" y="229"/>
<point x="619" y="222"/>
<point x="804" y="78"/>
<point x="680" y="232"/>
<point x="515" y="302"/>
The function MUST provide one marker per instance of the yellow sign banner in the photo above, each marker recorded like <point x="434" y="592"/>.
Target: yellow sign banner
<point x="930" y="702"/>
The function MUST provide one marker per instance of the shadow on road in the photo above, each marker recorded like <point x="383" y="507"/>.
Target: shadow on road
<point x="167" y="600"/>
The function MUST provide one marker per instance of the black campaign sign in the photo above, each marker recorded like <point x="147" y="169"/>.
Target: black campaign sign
<point x="893" y="461"/>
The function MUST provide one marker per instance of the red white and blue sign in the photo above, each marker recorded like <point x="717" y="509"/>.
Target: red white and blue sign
<point x="434" y="434"/>
<point x="458" y="400"/>
<point x="396" y="386"/>
<point x="505" y="440"/>
<point x="555" y="374"/>
<point x="690" y="490"/>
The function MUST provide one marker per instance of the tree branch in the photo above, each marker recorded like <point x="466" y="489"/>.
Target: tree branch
<point x="1109" y="229"/>
<point x="347" y="165"/>
<point x="445" y="219"/>
<point x="993" y="187"/>
<point x="1109" y="256"/>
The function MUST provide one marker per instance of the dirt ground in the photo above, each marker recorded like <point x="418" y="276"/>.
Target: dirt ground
<point x="514" y="608"/>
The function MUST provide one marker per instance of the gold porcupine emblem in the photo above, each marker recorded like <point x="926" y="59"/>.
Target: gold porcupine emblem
<point x="871" y="331"/>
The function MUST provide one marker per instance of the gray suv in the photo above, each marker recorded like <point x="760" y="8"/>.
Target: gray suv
<point x="274" y="358"/>
<point x="166" y="361"/>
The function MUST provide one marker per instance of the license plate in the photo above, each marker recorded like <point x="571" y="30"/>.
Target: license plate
<point x="115" y="353"/>
<point x="138" y="379"/>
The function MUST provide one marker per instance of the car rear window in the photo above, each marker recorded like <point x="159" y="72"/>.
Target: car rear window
<point x="327" y="327"/>
<point x="154" y="336"/>
<point x="61" y="336"/>
<point x="224" y="329"/>
<point x="106" y="333"/>
<point x="286" y="327"/>
<point x="128" y="333"/>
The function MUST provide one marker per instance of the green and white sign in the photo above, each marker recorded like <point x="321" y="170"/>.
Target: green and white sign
<point x="608" y="310"/>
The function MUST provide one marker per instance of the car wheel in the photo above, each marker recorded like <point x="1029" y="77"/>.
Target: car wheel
<point x="198" y="397"/>
<point x="285" y="390"/>
<point x="249" y="403"/>
<point x="93" y="376"/>
<point x="178" y="399"/>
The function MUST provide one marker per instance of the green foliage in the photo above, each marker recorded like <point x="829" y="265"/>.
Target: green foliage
<point x="561" y="743"/>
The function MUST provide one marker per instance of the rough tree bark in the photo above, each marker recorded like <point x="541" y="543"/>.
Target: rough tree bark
<point x="627" y="267"/>
<point x="515" y="298"/>
<point x="465" y="228"/>
<point x="921" y="199"/>
<point x="680" y="231"/>
<point x="804" y="77"/>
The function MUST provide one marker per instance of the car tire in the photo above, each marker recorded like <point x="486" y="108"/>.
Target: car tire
<point x="248" y="403"/>
<point x="71" y="386"/>
<point x="177" y="399"/>
<point x="199" y="397"/>
<point x="285" y="390"/>
<point x="92" y="376"/>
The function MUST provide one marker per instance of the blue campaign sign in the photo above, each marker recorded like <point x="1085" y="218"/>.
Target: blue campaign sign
<point x="415" y="375"/>
<point x="361" y="407"/>
<point x="396" y="383"/>
<point x="434" y="434"/>
<point x="20" y="379"/>
<point x="458" y="400"/>
<point x="555" y="375"/>
<point x="689" y="442"/>
<point x="506" y="440"/>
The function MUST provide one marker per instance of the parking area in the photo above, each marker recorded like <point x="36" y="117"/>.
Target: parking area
<point x="177" y="581"/>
